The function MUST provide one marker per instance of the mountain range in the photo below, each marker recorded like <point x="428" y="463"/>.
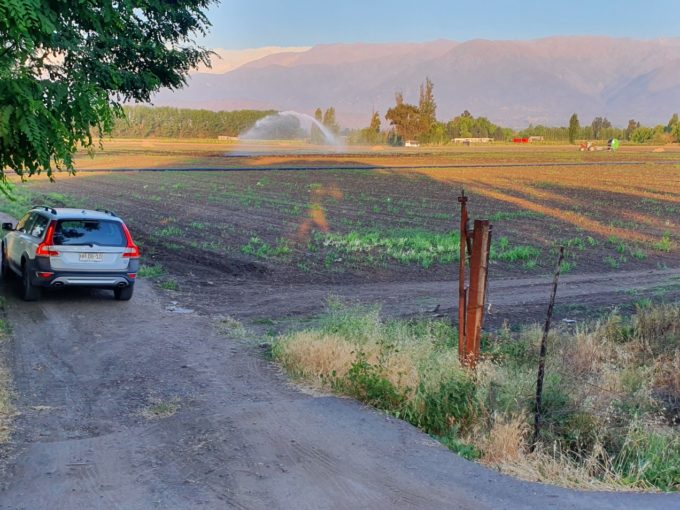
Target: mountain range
<point x="513" y="83"/>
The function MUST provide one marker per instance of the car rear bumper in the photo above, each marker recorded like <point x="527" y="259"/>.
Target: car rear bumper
<point x="104" y="281"/>
<point x="43" y="275"/>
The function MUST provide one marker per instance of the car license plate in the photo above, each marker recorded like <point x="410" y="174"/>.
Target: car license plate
<point x="91" y="257"/>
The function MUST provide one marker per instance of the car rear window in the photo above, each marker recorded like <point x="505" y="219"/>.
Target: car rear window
<point x="89" y="232"/>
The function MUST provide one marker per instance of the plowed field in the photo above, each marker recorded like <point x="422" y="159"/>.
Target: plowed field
<point x="224" y="221"/>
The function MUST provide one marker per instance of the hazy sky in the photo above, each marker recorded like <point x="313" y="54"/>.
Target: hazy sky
<point x="256" y="23"/>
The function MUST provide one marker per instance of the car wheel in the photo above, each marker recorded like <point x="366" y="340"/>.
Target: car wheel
<point x="124" y="293"/>
<point x="29" y="292"/>
<point x="4" y="266"/>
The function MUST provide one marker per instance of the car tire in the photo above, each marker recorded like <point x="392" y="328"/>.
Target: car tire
<point x="29" y="292"/>
<point x="4" y="266"/>
<point x="124" y="293"/>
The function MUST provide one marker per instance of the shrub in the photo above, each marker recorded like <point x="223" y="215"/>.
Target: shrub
<point x="449" y="407"/>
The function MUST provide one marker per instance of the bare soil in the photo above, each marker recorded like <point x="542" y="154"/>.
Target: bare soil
<point x="198" y="226"/>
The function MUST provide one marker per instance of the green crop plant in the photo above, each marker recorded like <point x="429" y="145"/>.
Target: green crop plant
<point x="259" y="248"/>
<point x="618" y="244"/>
<point x="406" y="246"/>
<point x="503" y="250"/>
<point x="612" y="262"/>
<point x="665" y="244"/>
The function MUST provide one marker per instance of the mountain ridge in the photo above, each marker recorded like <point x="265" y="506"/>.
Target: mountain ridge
<point x="513" y="83"/>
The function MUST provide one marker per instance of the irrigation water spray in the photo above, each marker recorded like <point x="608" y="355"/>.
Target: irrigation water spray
<point x="286" y="125"/>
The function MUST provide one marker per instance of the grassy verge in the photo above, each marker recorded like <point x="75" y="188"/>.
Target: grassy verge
<point x="611" y="397"/>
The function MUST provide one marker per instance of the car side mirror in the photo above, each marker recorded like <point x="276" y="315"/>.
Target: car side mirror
<point x="7" y="226"/>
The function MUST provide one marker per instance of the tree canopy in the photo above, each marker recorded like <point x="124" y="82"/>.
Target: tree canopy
<point x="166" y="122"/>
<point x="67" y="67"/>
<point x="574" y="128"/>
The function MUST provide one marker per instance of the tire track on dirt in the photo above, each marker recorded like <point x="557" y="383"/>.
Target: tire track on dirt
<point x="254" y="300"/>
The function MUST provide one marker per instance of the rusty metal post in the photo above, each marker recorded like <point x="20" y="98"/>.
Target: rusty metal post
<point x="477" y="293"/>
<point x="462" y="293"/>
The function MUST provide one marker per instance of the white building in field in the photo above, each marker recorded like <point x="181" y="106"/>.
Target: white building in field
<point x="470" y="140"/>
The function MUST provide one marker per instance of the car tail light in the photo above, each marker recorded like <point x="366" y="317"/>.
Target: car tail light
<point x="45" y="249"/>
<point x="131" y="250"/>
<point x="45" y="274"/>
<point x="132" y="276"/>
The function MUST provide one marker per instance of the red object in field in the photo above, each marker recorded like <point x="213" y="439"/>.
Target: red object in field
<point x="520" y="140"/>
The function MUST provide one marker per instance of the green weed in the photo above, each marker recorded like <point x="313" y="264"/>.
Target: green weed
<point x="153" y="271"/>
<point x="162" y="409"/>
<point x="170" y="231"/>
<point x="511" y="215"/>
<point x="169" y="285"/>
<point x="567" y="266"/>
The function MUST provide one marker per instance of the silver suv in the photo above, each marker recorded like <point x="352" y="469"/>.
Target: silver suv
<point x="70" y="247"/>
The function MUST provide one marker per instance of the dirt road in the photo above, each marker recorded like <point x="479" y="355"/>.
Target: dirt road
<point x="516" y="300"/>
<point x="132" y="406"/>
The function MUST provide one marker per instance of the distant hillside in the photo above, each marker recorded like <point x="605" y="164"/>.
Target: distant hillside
<point x="513" y="83"/>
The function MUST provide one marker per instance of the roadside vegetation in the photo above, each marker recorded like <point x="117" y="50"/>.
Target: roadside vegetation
<point x="611" y="396"/>
<point x="6" y="407"/>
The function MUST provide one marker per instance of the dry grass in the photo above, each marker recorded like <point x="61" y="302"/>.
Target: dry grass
<point x="320" y="358"/>
<point x="556" y="468"/>
<point x="505" y="448"/>
<point x="314" y="356"/>
<point x="506" y="441"/>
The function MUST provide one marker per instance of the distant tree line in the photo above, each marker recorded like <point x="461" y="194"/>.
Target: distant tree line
<point x="165" y="122"/>
<point x="406" y="122"/>
<point x="419" y="123"/>
<point x="601" y="129"/>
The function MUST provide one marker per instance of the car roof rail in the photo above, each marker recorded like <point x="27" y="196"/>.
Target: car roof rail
<point x="106" y="211"/>
<point x="46" y="207"/>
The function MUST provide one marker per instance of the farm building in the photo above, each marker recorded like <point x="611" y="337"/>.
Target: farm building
<point x="472" y="140"/>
